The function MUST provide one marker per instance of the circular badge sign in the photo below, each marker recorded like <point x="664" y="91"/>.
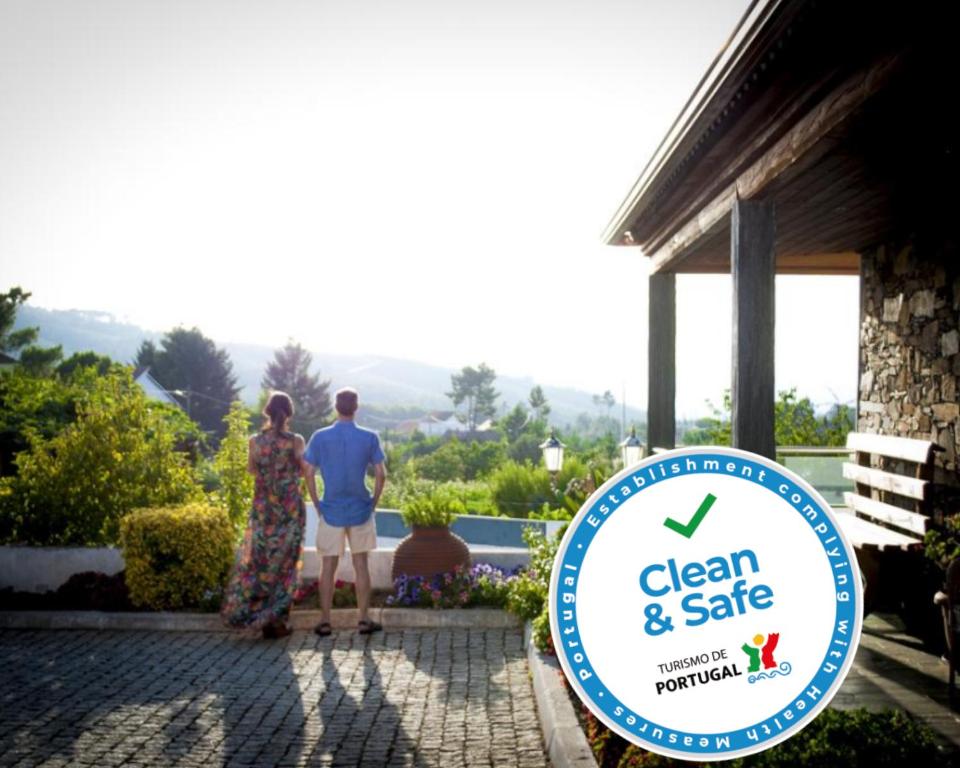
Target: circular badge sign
<point x="705" y="604"/>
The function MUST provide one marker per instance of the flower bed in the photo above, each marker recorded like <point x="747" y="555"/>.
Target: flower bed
<point x="344" y="595"/>
<point x="88" y="591"/>
<point x="480" y="585"/>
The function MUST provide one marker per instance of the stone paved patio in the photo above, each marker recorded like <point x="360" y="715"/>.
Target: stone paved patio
<point x="404" y="698"/>
<point x="893" y="670"/>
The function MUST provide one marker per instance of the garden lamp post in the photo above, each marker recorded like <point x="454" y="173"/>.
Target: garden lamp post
<point x="631" y="449"/>
<point x="185" y="394"/>
<point x="189" y="393"/>
<point x="552" y="450"/>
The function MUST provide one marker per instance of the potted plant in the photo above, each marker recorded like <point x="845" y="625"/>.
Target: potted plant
<point x="430" y="548"/>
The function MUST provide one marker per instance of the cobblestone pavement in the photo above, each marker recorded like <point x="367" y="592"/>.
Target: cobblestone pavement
<point x="405" y="698"/>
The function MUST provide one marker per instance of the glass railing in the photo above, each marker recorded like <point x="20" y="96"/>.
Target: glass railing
<point x="821" y="467"/>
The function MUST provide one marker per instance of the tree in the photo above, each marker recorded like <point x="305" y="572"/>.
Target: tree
<point x="795" y="423"/>
<point x="80" y="360"/>
<point x="146" y="354"/>
<point x="289" y="372"/>
<point x="38" y="361"/>
<point x="236" y="484"/>
<point x="190" y="365"/>
<point x="10" y="340"/>
<point x="513" y="423"/>
<point x="118" y="455"/>
<point x="606" y="399"/>
<point x="538" y="403"/>
<point x="474" y="386"/>
<point x="35" y="406"/>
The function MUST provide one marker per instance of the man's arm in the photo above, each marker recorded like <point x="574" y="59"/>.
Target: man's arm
<point x="251" y="446"/>
<point x="380" y="479"/>
<point x="309" y="474"/>
<point x="308" y="471"/>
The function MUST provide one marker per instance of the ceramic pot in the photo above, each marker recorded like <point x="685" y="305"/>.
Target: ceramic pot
<point x="429" y="551"/>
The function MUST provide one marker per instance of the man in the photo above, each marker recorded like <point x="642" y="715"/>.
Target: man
<point x="342" y="452"/>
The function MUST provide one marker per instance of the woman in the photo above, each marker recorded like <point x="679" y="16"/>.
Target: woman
<point x="261" y="589"/>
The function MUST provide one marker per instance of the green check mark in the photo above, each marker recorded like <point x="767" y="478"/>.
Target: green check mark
<point x="690" y="528"/>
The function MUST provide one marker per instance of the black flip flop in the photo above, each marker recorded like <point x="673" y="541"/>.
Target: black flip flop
<point x="368" y="627"/>
<point x="323" y="629"/>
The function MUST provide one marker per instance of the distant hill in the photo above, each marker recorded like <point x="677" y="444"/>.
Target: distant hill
<point x="382" y="381"/>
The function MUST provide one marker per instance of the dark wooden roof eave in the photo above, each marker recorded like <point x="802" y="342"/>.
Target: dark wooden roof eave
<point x="834" y="137"/>
<point x="702" y="114"/>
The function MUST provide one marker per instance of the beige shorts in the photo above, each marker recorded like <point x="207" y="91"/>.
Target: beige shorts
<point x="331" y="538"/>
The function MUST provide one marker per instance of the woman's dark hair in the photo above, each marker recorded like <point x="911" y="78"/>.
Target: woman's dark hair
<point x="277" y="412"/>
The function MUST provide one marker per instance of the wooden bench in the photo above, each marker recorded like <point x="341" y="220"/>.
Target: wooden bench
<point x="888" y="513"/>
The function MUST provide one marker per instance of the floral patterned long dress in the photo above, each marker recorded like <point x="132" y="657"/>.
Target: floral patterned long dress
<point x="266" y="575"/>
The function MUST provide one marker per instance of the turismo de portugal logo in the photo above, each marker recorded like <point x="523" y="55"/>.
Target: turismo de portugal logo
<point x="704" y="604"/>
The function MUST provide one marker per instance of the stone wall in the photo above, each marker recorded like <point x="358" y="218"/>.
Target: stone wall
<point x="910" y="347"/>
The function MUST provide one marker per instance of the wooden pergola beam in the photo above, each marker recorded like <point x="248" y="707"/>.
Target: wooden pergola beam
<point x="807" y="141"/>
<point x="661" y="362"/>
<point x="753" y="269"/>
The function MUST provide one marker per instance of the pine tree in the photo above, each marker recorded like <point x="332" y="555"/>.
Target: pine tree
<point x="538" y="403"/>
<point x="475" y="387"/>
<point x="289" y="372"/>
<point x="37" y="361"/>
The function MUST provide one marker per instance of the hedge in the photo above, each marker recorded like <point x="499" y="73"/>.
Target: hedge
<point x="177" y="557"/>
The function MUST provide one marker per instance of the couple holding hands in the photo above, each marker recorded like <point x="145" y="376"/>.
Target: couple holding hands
<point x="261" y="589"/>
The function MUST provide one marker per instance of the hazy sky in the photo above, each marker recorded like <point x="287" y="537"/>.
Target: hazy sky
<point x="419" y="179"/>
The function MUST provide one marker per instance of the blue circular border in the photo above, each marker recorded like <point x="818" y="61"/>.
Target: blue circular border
<point x="737" y="743"/>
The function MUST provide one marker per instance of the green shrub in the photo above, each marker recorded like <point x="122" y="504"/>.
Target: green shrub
<point x="176" y="557"/>
<point x="542" y="638"/>
<point x="526" y="598"/>
<point x="35" y="405"/>
<point x="118" y="455"/>
<point x="456" y="460"/>
<point x="445" y="463"/>
<point x="480" y="458"/>
<point x="942" y="542"/>
<point x="547" y="513"/>
<point x="522" y="490"/>
<point x="519" y="489"/>
<point x="235" y="493"/>
<point x="474" y="495"/>
<point x="527" y="593"/>
<point x="434" y="507"/>
<point x="836" y="739"/>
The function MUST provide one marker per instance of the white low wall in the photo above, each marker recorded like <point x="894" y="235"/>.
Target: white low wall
<point x="38" y="569"/>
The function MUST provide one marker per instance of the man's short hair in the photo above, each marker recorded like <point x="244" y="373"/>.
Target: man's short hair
<point x="346" y="401"/>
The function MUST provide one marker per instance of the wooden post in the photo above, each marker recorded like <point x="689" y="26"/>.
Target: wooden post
<point x="753" y="267"/>
<point x="661" y="362"/>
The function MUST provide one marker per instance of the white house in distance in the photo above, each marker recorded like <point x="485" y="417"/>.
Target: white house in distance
<point x="152" y="388"/>
<point x="438" y="423"/>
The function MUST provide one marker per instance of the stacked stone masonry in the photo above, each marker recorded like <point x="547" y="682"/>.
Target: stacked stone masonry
<point x="910" y="348"/>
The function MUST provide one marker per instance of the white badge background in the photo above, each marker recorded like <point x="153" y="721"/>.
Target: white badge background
<point x="610" y="602"/>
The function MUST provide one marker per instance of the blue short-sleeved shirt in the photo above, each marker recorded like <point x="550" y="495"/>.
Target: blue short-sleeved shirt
<point x="343" y="451"/>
